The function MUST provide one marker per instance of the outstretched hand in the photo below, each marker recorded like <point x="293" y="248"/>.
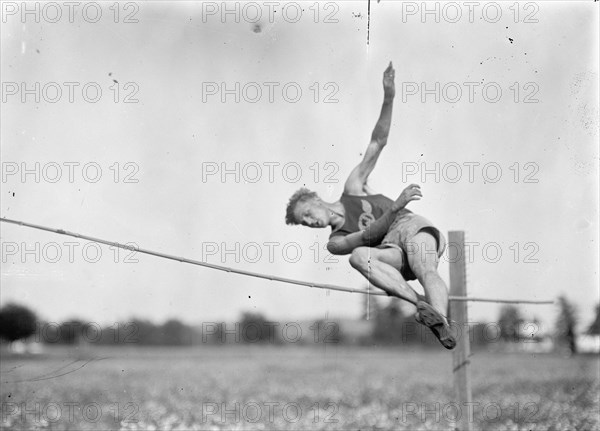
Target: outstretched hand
<point x="389" y="89"/>
<point x="411" y="193"/>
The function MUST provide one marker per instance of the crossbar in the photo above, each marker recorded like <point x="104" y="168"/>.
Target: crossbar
<point x="249" y="273"/>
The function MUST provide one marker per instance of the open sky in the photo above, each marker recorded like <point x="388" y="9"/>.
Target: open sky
<point x="520" y="178"/>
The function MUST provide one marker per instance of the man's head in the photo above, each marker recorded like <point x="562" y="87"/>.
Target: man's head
<point x="306" y="208"/>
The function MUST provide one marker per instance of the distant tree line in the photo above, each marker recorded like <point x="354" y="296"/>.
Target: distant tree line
<point x="387" y="325"/>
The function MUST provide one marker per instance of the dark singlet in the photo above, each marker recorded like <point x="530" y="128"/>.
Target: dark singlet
<point x="360" y="211"/>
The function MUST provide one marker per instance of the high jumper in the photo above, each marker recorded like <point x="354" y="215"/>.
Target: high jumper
<point x="388" y="244"/>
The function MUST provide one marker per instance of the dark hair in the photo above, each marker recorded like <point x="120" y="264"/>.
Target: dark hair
<point x="301" y="195"/>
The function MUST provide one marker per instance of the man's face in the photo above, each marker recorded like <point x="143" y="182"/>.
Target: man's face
<point x="311" y="213"/>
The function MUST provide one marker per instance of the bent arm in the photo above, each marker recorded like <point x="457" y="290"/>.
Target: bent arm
<point x="340" y="245"/>
<point x="376" y="231"/>
<point x="371" y="236"/>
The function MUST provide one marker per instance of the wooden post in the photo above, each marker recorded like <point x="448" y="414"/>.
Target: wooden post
<point x="458" y="313"/>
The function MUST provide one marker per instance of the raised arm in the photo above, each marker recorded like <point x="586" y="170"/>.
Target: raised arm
<point x="356" y="184"/>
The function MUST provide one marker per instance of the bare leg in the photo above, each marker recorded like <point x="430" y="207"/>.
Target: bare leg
<point x="382" y="268"/>
<point x="424" y="262"/>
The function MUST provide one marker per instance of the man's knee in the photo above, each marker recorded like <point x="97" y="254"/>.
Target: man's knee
<point x="423" y="251"/>
<point x="360" y="257"/>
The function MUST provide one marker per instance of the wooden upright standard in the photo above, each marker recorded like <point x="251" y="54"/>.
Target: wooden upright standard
<point x="458" y="314"/>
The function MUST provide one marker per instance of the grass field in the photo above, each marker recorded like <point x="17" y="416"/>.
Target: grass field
<point x="292" y="388"/>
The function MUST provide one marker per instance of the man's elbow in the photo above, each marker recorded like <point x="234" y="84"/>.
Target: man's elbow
<point x="336" y="248"/>
<point x="379" y="137"/>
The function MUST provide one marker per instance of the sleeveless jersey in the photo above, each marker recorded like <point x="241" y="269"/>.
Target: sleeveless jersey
<point x="360" y="211"/>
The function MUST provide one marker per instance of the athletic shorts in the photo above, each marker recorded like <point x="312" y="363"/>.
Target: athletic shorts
<point x="400" y="234"/>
